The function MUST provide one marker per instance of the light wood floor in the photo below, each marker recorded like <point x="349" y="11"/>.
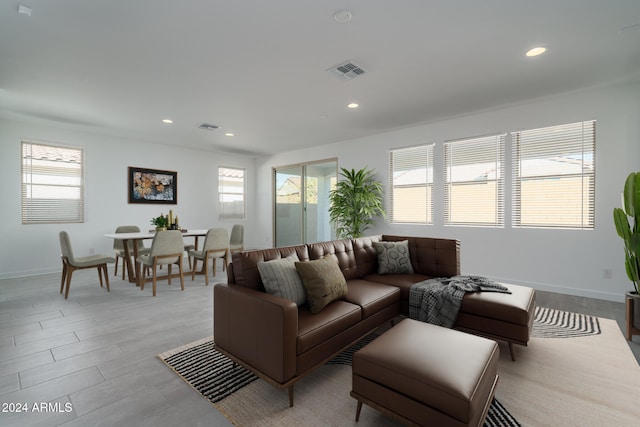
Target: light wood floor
<point x="96" y="352"/>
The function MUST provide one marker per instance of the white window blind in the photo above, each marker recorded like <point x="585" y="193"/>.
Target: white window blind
<point x="411" y="176"/>
<point x="474" y="181"/>
<point x="231" y="193"/>
<point x="554" y="176"/>
<point x="52" y="184"/>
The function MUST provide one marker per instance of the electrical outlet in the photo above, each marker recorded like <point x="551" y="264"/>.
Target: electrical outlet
<point x="607" y="273"/>
<point x="92" y="251"/>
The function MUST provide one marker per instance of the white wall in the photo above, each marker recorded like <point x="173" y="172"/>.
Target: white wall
<point x="563" y="261"/>
<point x="35" y="249"/>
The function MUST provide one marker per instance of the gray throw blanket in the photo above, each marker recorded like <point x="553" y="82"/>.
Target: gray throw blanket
<point x="438" y="300"/>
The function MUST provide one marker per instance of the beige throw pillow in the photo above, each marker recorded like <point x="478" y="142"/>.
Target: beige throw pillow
<point x="323" y="282"/>
<point x="280" y="278"/>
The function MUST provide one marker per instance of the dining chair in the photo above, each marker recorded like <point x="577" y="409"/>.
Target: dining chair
<point x="167" y="248"/>
<point x="70" y="263"/>
<point x="187" y="249"/>
<point x="236" y="241"/>
<point x="118" y="247"/>
<point x="216" y="245"/>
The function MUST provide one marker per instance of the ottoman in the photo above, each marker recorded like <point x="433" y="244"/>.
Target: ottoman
<point x="422" y="374"/>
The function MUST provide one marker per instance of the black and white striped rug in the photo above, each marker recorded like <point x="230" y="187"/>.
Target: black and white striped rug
<point x="215" y="377"/>
<point x="550" y="323"/>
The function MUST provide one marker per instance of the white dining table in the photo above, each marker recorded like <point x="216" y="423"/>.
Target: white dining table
<point x="142" y="235"/>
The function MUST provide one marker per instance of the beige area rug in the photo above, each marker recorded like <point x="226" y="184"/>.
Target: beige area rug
<point x="587" y="377"/>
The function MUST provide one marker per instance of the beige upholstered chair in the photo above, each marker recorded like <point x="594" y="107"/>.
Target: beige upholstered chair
<point x="70" y="263"/>
<point x="216" y="245"/>
<point x="118" y="247"/>
<point x="167" y="248"/>
<point x="236" y="242"/>
<point x="187" y="249"/>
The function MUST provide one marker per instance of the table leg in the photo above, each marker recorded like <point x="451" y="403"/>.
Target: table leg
<point x="135" y="261"/>
<point x="127" y="261"/>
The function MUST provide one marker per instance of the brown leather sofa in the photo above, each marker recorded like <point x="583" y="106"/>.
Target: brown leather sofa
<point x="281" y="342"/>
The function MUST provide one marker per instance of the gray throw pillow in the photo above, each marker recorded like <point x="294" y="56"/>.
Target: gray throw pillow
<point x="393" y="257"/>
<point x="323" y="282"/>
<point x="280" y="278"/>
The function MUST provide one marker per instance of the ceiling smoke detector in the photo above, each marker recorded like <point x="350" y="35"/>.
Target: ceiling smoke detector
<point x="347" y="70"/>
<point x="207" y="126"/>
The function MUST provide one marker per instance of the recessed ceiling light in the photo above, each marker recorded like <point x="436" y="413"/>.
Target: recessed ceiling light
<point x="342" y="16"/>
<point x="24" y="10"/>
<point x="168" y="121"/>
<point x="536" y="51"/>
<point x="353" y="105"/>
<point x="228" y="134"/>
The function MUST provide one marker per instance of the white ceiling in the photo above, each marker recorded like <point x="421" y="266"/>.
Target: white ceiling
<point x="258" y="68"/>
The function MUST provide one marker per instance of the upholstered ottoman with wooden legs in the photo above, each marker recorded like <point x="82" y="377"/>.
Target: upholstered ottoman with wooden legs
<point x="421" y="374"/>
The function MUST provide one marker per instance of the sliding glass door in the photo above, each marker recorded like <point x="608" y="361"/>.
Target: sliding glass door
<point x="301" y="213"/>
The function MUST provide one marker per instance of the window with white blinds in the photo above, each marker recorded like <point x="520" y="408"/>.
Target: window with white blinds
<point x="231" y="193"/>
<point x="554" y="176"/>
<point x="474" y="181"/>
<point x="411" y="183"/>
<point x="52" y="184"/>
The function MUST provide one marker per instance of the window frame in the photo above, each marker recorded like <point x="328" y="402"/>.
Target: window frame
<point x="231" y="216"/>
<point x="542" y="141"/>
<point x="403" y="158"/>
<point x="33" y="176"/>
<point x="496" y="143"/>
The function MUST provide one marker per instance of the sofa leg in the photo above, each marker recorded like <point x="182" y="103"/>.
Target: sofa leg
<point x="291" y="396"/>
<point x="511" y="350"/>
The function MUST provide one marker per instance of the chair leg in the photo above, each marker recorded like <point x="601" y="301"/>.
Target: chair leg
<point x="205" y="269"/>
<point x="169" y="273"/>
<point x="100" y="276"/>
<point x="115" y="268"/>
<point x="64" y="276"/>
<point x="141" y="277"/>
<point x="181" y="275"/>
<point x="105" y="270"/>
<point x="193" y="270"/>
<point x="69" y="274"/>
<point x="154" y="280"/>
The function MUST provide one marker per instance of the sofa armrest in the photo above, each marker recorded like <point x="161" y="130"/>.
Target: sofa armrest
<point x="257" y="328"/>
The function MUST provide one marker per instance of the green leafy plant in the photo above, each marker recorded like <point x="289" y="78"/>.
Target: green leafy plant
<point x="627" y="221"/>
<point x="355" y="202"/>
<point x="160" y="221"/>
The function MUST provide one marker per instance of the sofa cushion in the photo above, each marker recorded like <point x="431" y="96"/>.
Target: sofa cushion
<point x="280" y="278"/>
<point x="403" y="282"/>
<point x="340" y="250"/>
<point x="393" y="257"/>
<point x="323" y="282"/>
<point x="371" y="296"/>
<point x="316" y="329"/>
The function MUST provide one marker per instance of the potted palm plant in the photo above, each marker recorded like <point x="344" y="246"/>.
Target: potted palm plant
<point x="355" y="202"/>
<point x="627" y="222"/>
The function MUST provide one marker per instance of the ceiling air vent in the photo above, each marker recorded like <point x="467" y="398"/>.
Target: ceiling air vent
<point x="347" y="71"/>
<point x="207" y="126"/>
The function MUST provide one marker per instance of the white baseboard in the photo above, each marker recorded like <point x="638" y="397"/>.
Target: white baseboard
<point x="608" y="296"/>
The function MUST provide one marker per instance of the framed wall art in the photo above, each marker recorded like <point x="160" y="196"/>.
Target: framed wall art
<point x="152" y="186"/>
